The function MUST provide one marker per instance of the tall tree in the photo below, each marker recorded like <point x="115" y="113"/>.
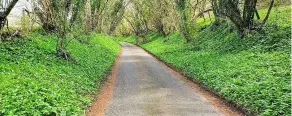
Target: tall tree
<point x="181" y="7"/>
<point x="97" y="9"/>
<point x="243" y="19"/>
<point x="117" y="15"/>
<point x="5" y="13"/>
<point x="57" y="16"/>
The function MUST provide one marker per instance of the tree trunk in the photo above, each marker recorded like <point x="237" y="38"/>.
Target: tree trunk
<point x="257" y="14"/>
<point x="184" y="27"/>
<point x="216" y="10"/>
<point x="181" y="6"/>
<point x="269" y="11"/>
<point x="158" y="24"/>
<point x="3" y="15"/>
<point x="248" y="13"/>
<point x="9" y="8"/>
<point x="117" y="16"/>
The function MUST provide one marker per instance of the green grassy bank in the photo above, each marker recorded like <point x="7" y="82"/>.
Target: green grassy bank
<point x="33" y="81"/>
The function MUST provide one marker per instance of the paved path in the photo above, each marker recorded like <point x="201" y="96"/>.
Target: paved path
<point x="144" y="87"/>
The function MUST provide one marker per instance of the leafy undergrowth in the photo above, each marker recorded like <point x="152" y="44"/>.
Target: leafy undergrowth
<point x="33" y="81"/>
<point x="254" y="71"/>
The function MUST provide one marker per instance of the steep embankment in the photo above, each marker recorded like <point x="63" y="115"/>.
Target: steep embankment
<point x="253" y="72"/>
<point x="33" y="81"/>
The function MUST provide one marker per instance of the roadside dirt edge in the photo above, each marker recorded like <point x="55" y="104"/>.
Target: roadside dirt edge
<point x="99" y="105"/>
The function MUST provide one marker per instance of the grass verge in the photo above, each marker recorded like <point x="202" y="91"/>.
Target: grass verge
<point x="33" y="81"/>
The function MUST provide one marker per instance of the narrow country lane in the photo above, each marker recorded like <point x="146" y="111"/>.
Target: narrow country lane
<point x="144" y="87"/>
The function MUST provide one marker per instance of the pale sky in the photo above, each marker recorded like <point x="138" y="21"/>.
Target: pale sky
<point x="15" y="15"/>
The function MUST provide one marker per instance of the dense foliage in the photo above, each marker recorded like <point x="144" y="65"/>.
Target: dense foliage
<point x="254" y="72"/>
<point x="33" y="81"/>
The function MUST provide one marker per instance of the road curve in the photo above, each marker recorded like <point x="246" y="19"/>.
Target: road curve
<point x="144" y="87"/>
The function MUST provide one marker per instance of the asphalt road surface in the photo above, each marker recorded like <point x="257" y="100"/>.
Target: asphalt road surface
<point x="144" y="87"/>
